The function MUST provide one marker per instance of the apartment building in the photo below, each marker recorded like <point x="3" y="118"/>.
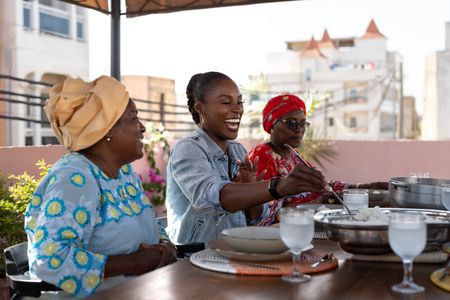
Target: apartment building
<point x="354" y="83"/>
<point x="436" y="109"/>
<point x="41" y="40"/>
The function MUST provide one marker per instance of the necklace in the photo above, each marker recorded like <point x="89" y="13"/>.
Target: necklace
<point x="100" y="163"/>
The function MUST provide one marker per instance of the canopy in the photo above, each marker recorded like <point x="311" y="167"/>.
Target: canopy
<point x="143" y="7"/>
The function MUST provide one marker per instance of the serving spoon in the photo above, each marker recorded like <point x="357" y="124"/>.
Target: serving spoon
<point x="328" y="188"/>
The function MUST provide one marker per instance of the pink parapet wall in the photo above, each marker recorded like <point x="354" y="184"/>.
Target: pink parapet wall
<point x="368" y="161"/>
<point x="17" y="160"/>
<point x="357" y="161"/>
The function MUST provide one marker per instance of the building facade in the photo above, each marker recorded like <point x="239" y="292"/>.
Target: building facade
<point x="41" y="40"/>
<point x="436" y="109"/>
<point x="156" y="101"/>
<point x="353" y="84"/>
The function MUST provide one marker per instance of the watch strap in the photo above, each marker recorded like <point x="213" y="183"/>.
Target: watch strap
<point x="273" y="187"/>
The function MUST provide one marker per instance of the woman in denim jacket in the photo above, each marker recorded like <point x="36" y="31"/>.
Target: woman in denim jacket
<point x="210" y="181"/>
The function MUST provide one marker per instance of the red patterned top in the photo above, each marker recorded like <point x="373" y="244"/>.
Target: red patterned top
<point x="277" y="165"/>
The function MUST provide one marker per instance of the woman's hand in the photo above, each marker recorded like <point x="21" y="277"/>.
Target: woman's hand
<point x="247" y="171"/>
<point x="168" y="252"/>
<point x="301" y="179"/>
<point x="247" y="174"/>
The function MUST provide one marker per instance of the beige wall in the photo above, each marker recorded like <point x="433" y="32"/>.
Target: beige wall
<point x="357" y="161"/>
<point x="152" y="88"/>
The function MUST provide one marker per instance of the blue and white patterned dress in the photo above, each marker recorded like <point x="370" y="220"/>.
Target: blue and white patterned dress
<point x="78" y="216"/>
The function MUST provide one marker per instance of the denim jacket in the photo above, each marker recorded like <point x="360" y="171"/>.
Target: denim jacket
<point x="197" y="171"/>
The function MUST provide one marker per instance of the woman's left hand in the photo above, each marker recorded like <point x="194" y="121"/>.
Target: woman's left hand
<point x="247" y="171"/>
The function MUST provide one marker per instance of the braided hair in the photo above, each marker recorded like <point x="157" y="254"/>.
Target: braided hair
<point x="198" y="86"/>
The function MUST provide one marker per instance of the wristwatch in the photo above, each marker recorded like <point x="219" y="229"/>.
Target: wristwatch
<point x="273" y="187"/>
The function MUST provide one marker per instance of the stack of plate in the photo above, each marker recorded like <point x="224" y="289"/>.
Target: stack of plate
<point x="254" y="243"/>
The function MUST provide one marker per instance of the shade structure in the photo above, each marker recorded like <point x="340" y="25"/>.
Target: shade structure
<point x="136" y="8"/>
<point x="144" y="7"/>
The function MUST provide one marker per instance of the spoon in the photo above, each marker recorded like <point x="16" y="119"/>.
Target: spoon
<point x="328" y="188"/>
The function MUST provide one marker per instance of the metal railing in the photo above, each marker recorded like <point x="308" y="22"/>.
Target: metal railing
<point x="174" y="117"/>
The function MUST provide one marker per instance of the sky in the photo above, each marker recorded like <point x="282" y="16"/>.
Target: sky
<point x="236" y="40"/>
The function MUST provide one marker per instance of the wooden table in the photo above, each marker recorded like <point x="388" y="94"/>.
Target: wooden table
<point x="352" y="280"/>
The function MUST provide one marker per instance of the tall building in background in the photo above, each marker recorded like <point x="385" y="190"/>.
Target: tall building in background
<point x="436" y="109"/>
<point x="353" y="83"/>
<point x="40" y="40"/>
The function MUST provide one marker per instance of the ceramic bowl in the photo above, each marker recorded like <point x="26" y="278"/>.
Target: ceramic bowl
<point x="254" y="239"/>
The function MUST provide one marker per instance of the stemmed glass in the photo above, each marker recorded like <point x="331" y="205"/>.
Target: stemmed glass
<point x="297" y="230"/>
<point x="407" y="237"/>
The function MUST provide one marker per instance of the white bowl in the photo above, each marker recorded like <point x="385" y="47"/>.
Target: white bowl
<point x="254" y="239"/>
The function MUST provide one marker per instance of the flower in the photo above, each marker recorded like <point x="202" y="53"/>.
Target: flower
<point x="154" y="183"/>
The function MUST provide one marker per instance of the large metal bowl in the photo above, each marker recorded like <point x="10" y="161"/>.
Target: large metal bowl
<point x="373" y="239"/>
<point x="416" y="192"/>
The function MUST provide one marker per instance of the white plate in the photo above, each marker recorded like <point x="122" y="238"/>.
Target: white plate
<point x="254" y="239"/>
<point x="226" y="250"/>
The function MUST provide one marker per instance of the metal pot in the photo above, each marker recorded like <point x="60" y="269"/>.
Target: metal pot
<point x="416" y="192"/>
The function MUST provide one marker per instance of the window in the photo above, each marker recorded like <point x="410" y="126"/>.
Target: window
<point x="80" y="31"/>
<point x="43" y="115"/>
<point x="26" y="18"/>
<point x="330" y="122"/>
<point x="29" y="101"/>
<point x="308" y="74"/>
<point x="352" y="123"/>
<point x="54" y="24"/>
<point x="29" y="141"/>
<point x="353" y="94"/>
<point x="49" y="140"/>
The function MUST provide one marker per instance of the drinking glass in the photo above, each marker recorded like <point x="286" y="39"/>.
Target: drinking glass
<point x="297" y="230"/>
<point x="446" y="196"/>
<point x="407" y="237"/>
<point x="356" y="199"/>
<point x="419" y="175"/>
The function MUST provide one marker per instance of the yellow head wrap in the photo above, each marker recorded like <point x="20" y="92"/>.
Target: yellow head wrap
<point x="81" y="113"/>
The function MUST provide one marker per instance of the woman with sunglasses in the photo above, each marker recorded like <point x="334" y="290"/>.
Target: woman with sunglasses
<point x="284" y="118"/>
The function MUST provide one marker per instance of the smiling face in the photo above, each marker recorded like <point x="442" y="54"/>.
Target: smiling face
<point x="281" y="134"/>
<point x="221" y="111"/>
<point x="127" y="134"/>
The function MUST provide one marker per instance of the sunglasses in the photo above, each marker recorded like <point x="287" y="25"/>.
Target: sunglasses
<point x="295" y="125"/>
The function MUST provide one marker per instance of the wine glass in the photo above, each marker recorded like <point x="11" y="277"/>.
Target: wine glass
<point x="446" y="196"/>
<point x="297" y="230"/>
<point x="407" y="237"/>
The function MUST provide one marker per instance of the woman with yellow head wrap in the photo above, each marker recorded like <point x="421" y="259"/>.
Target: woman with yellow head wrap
<point x="89" y="218"/>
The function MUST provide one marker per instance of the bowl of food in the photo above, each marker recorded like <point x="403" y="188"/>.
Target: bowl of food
<point x="254" y="239"/>
<point x="369" y="233"/>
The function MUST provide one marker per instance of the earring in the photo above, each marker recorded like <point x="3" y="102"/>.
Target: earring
<point x="108" y="139"/>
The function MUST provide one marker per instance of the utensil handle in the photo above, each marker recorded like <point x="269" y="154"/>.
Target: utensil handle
<point x="399" y="184"/>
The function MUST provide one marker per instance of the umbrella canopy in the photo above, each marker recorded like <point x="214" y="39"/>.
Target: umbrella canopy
<point x="143" y="7"/>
